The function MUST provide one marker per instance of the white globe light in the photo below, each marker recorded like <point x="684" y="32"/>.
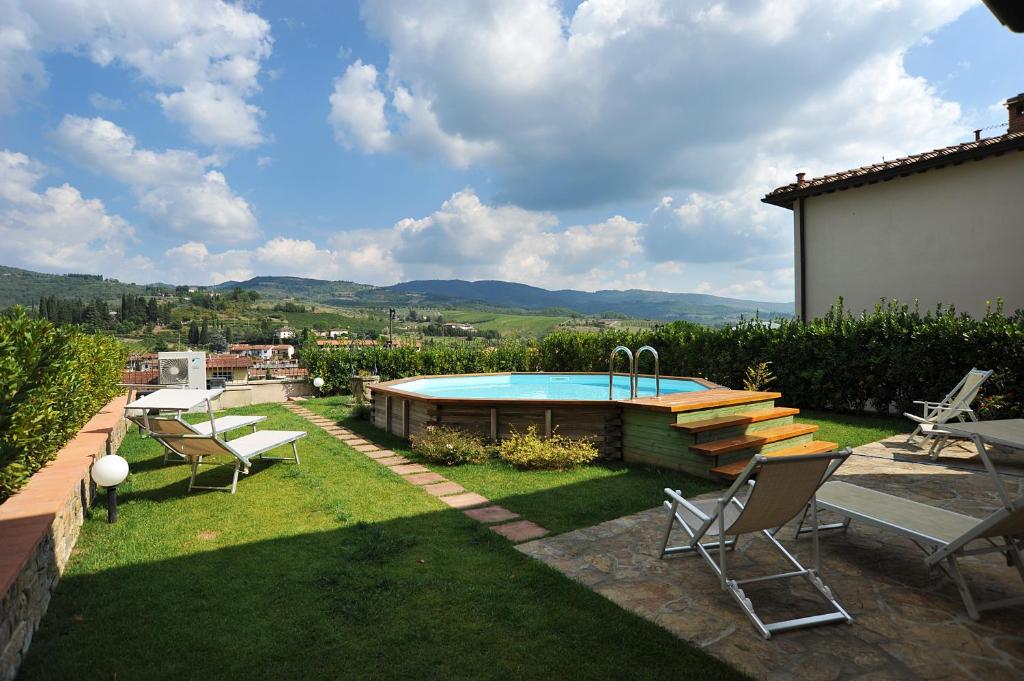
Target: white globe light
<point x="318" y="382"/>
<point x="109" y="471"/>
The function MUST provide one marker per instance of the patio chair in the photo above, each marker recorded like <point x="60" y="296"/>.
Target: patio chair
<point x="241" y="451"/>
<point x="955" y="405"/>
<point x="943" y="535"/>
<point x="785" y="486"/>
<point x="157" y="424"/>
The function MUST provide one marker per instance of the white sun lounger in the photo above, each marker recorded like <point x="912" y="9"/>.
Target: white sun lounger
<point x="943" y="535"/>
<point x="785" y="486"/>
<point x="156" y="425"/>
<point x="956" y="405"/>
<point x="242" y="450"/>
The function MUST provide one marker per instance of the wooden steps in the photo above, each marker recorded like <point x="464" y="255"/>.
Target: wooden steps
<point x="754" y="440"/>
<point x="735" y="420"/>
<point x="732" y="470"/>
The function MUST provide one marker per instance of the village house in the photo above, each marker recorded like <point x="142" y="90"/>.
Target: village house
<point x="943" y="226"/>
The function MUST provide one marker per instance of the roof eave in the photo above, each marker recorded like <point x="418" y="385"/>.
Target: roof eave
<point x="787" y="198"/>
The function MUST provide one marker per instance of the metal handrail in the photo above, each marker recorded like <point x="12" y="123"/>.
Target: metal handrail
<point x="611" y="370"/>
<point x="657" y="371"/>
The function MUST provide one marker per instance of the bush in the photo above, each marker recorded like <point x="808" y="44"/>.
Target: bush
<point x="883" y="359"/>
<point x="52" y="380"/>
<point x="449" y="447"/>
<point x="529" y="450"/>
<point x="362" y="410"/>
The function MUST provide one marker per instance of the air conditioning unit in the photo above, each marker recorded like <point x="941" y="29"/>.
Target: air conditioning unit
<point x="185" y="369"/>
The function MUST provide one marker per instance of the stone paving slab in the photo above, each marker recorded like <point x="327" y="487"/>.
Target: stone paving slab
<point x="467" y="500"/>
<point x="392" y="460"/>
<point x="407" y="468"/>
<point x="357" y="442"/>
<point x="909" y="622"/>
<point x="491" y="514"/>
<point x="365" y="447"/>
<point x="382" y="454"/>
<point x="442" y="489"/>
<point x="520" y="530"/>
<point x="420" y="479"/>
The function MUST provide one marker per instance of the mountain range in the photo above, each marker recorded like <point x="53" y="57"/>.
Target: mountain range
<point x="26" y="287"/>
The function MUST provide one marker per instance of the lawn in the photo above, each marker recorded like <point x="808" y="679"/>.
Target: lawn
<point x="335" y="569"/>
<point x="557" y="500"/>
<point x="854" y="430"/>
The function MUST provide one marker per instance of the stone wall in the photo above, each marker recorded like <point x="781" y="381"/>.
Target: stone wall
<point x="39" y="527"/>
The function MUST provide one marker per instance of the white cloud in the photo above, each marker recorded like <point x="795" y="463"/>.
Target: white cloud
<point x="178" y="188"/>
<point x="101" y="102"/>
<point x="357" y="110"/>
<point x="58" y="229"/>
<point x="611" y="100"/>
<point x="204" y="56"/>
<point x="264" y="162"/>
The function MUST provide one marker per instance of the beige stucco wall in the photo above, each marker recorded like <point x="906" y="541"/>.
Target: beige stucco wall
<point x="953" y="235"/>
<point x="260" y="392"/>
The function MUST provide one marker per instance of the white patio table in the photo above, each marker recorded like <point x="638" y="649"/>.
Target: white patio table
<point x="1005" y="432"/>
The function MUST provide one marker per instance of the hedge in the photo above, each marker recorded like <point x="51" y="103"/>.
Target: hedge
<point x="52" y="381"/>
<point x="877" y="360"/>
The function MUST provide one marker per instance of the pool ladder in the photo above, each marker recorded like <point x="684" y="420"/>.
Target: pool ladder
<point x="634" y="376"/>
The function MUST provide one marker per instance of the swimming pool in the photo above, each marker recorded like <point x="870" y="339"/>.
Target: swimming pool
<point x="544" y="386"/>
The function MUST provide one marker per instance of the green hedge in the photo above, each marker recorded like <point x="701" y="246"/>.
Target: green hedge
<point x="883" y="359"/>
<point x="52" y="380"/>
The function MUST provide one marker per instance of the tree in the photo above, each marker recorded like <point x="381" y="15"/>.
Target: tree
<point x="204" y="333"/>
<point x="218" y="343"/>
<point x="229" y="335"/>
<point x="193" y="333"/>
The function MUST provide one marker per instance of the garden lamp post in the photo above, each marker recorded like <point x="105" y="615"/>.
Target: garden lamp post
<point x="110" y="471"/>
<point x="318" y="383"/>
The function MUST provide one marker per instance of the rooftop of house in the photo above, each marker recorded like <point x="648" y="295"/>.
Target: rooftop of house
<point x="974" y="150"/>
<point x="227" y="362"/>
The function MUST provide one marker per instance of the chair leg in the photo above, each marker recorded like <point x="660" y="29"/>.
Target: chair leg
<point x="668" y="530"/>
<point x="192" y="478"/>
<point x="961" y="585"/>
<point x="295" y="451"/>
<point x="917" y="431"/>
<point x="234" y="479"/>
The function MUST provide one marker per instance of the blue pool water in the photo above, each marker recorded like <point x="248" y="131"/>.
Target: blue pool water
<point x="541" y="387"/>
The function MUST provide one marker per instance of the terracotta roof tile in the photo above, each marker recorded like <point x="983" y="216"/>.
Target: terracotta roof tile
<point x="975" y="149"/>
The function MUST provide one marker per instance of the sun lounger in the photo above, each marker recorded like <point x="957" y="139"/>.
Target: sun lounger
<point x="943" y="535"/>
<point x="155" y="425"/>
<point x="241" y="451"/>
<point x="785" y="486"/>
<point x="954" y="406"/>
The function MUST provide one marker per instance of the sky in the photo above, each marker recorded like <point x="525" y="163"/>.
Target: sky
<point x="588" y="145"/>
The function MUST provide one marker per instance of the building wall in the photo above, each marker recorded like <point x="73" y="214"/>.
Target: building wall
<point x="261" y="392"/>
<point x="953" y="235"/>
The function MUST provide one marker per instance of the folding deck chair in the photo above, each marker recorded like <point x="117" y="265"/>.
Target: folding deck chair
<point x="195" y="448"/>
<point x="157" y="424"/>
<point x="955" y="405"/>
<point x="943" y="535"/>
<point x="785" y="486"/>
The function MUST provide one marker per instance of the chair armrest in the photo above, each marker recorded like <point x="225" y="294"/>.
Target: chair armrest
<point x="678" y="498"/>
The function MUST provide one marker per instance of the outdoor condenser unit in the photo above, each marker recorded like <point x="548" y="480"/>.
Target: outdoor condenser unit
<point x="187" y="369"/>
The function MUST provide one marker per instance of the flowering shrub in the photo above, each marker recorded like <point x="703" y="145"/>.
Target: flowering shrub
<point x="529" y="450"/>
<point x="449" y="447"/>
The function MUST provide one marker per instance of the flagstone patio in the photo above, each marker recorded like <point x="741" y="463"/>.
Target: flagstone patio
<point x="909" y="623"/>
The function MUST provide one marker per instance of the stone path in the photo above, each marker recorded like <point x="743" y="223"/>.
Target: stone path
<point x="474" y="505"/>
<point x="909" y="623"/>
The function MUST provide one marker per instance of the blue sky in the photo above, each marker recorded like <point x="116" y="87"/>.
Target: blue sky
<point x="601" y="144"/>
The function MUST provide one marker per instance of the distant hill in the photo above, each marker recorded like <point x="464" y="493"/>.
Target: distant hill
<point x="638" y="303"/>
<point x="318" y="290"/>
<point x="24" y="287"/>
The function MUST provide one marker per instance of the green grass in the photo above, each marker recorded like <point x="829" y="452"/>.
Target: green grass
<point x="333" y="569"/>
<point x="506" y="324"/>
<point x="558" y="500"/>
<point x="853" y="430"/>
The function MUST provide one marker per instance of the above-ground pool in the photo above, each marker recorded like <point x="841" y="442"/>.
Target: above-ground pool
<point x="693" y="425"/>
<point x="544" y="386"/>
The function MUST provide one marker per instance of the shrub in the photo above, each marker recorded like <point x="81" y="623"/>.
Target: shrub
<point x="362" y="410"/>
<point x="449" y="447"/>
<point x="529" y="450"/>
<point x="52" y="380"/>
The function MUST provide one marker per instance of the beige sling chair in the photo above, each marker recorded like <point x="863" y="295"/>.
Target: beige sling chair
<point x="954" y="406"/>
<point x="785" y="486"/>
